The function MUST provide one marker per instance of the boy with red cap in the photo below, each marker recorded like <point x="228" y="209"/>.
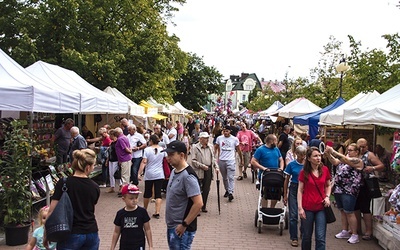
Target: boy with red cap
<point x="131" y="222"/>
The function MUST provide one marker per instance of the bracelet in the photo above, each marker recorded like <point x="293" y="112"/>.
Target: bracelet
<point x="373" y="168"/>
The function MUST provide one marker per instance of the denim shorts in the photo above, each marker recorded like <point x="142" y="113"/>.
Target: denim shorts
<point x="176" y="242"/>
<point x="346" y="202"/>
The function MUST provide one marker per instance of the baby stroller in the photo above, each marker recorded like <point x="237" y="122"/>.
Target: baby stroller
<point x="271" y="188"/>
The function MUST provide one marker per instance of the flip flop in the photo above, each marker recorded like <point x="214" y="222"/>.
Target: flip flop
<point x="240" y="178"/>
<point x="367" y="237"/>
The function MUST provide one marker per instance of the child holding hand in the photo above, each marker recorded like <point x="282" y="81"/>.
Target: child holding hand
<point x="131" y="222"/>
<point x="36" y="241"/>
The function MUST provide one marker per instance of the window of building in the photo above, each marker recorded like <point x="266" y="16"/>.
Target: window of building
<point x="243" y="98"/>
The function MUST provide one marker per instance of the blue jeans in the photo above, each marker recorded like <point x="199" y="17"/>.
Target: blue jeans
<point x="135" y="169"/>
<point x="179" y="243"/>
<point x="89" y="241"/>
<point x="293" y="211"/>
<point x="320" y="230"/>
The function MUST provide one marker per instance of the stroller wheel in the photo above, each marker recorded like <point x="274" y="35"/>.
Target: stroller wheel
<point x="286" y="221"/>
<point x="256" y="218"/>
<point x="259" y="226"/>
<point x="281" y="226"/>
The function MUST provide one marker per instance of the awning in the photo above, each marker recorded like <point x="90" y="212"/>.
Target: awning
<point x="158" y="116"/>
<point x="145" y="104"/>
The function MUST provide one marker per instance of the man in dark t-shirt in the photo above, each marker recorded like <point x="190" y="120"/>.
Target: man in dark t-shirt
<point x="190" y="125"/>
<point x="283" y="142"/>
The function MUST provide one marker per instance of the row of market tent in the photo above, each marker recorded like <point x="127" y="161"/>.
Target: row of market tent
<point x="48" y="88"/>
<point x="369" y="108"/>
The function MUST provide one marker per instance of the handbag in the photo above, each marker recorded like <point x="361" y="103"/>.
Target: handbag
<point x="117" y="173"/>
<point x="59" y="224"/>
<point x="329" y="215"/>
<point x="166" y="168"/>
<point x="373" y="187"/>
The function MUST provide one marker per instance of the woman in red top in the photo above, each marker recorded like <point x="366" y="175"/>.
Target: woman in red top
<point x="314" y="181"/>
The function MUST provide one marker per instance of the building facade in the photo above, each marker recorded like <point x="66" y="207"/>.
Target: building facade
<point x="237" y="90"/>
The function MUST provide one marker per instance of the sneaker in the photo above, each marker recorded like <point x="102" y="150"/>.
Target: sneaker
<point x="295" y="243"/>
<point x="226" y="194"/>
<point x="230" y="197"/>
<point x="343" y="235"/>
<point x="102" y="185"/>
<point x="353" y="239"/>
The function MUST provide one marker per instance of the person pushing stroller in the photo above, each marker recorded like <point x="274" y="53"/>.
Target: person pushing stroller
<point x="268" y="157"/>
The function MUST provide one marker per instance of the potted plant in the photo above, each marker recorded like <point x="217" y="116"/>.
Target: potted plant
<point x="15" y="176"/>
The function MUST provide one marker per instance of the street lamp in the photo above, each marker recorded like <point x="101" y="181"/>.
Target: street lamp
<point x="341" y="68"/>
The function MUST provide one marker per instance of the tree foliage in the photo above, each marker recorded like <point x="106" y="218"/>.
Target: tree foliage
<point x="374" y="69"/>
<point x="121" y="43"/>
<point x="197" y="83"/>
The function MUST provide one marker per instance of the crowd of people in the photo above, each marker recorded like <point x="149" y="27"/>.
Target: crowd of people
<point x="199" y="149"/>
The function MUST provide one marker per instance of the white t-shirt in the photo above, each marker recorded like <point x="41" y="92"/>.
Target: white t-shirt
<point x="154" y="168"/>
<point x="133" y="141"/>
<point x="172" y="131"/>
<point x="227" y="147"/>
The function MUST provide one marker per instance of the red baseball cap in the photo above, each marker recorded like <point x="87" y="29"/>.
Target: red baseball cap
<point x="130" y="189"/>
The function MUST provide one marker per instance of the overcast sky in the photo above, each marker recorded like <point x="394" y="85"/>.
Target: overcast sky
<point x="270" y="37"/>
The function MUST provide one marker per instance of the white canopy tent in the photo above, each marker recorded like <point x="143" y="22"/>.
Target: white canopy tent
<point x="184" y="110"/>
<point x="163" y="108"/>
<point x="92" y="99"/>
<point x="384" y="110"/>
<point x="134" y="109"/>
<point x="21" y="91"/>
<point x="299" y="106"/>
<point x="336" y="116"/>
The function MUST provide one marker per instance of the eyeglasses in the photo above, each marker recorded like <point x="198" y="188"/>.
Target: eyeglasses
<point x="349" y="150"/>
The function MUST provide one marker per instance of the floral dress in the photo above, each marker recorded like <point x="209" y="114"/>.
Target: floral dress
<point x="347" y="180"/>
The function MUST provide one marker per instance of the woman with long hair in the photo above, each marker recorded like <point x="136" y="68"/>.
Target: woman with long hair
<point x="312" y="195"/>
<point x="290" y="155"/>
<point x="154" y="175"/>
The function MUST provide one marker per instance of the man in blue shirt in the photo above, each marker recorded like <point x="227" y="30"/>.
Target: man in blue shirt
<point x="268" y="157"/>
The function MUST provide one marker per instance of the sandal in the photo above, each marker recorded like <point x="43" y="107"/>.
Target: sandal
<point x="157" y="216"/>
<point x="295" y="243"/>
<point x="367" y="237"/>
<point x="240" y="178"/>
<point x="244" y="174"/>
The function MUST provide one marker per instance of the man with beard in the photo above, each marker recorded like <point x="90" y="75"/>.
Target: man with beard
<point x="268" y="157"/>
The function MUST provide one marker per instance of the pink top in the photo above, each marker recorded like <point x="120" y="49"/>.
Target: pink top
<point x="246" y="139"/>
<point x="180" y="129"/>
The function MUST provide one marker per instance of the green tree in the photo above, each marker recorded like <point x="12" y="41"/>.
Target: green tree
<point x="325" y="80"/>
<point x="197" y="83"/>
<point x="374" y="69"/>
<point x="109" y="43"/>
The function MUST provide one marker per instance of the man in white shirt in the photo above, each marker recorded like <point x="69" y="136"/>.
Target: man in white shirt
<point x="137" y="143"/>
<point x="171" y="132"/>
<point x="226" y="145"/>
<point x="163" y="136"/>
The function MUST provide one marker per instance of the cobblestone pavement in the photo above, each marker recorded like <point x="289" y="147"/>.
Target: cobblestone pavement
<point x="233" y="228"/>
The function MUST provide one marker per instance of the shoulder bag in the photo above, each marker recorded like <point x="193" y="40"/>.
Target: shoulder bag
<point x="329" y="215"/>
<point x="59" y="225"/>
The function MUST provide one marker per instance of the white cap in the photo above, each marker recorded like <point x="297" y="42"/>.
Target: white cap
<point x="204" y="135"/>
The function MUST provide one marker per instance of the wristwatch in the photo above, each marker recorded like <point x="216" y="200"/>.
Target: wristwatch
<point x="184" y="224"/>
